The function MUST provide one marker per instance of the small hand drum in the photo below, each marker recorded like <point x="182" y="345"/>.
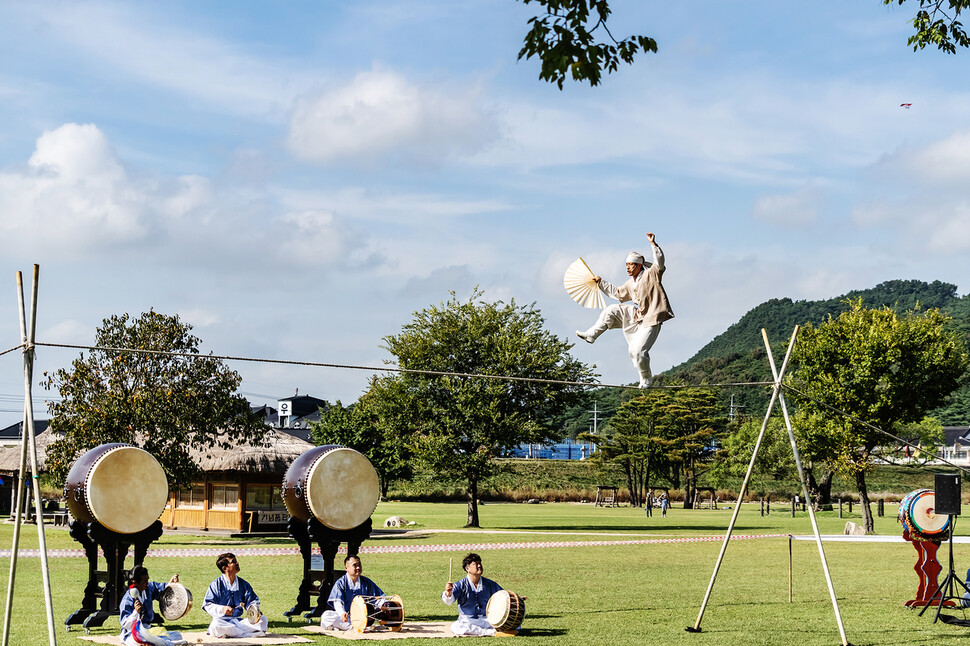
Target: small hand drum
<point x="505" y="611"/>
<point x="174" y="602"/>
<point x="365" y="610"/>
<point x="253" y="614"/>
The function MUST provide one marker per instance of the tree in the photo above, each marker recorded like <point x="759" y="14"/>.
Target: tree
<point x="636" y="442"/>
<point x="775" y="459"/>
<point x="563" y="37"/>
<point x="373" y="427"/>
<point x="695" y="419"/>
<point x="938" y="25"/>
<point x="459" y="423"/>
<point x="878" y="366"/>
<point x="164" y="403"/>
<point x="663" y="433"/>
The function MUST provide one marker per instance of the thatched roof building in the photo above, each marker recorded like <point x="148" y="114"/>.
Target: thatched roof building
<point x="273" y="455"/>
<point x="10" y="455"/>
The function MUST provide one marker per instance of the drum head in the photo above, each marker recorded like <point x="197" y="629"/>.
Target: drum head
<point x="174" y="602"/>
<point x="253" y="614"/>
<point x="359" y="617"/>
<point x="342" y="489"/>
<point x="497" y="610"/>
<point x="127" y="490"/>
<point x="922" y="513"/>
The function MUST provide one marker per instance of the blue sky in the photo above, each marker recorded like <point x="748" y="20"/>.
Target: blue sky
<point x="295" y="179"/>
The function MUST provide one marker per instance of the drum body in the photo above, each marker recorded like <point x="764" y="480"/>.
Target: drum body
<point x="334" y="484"/>
<point x="365" y="610"/>
<point x="505" y="611"/>
<point x="118" y="485"/>
<point x="174" y="602"/>
<point x="918" y="515"/>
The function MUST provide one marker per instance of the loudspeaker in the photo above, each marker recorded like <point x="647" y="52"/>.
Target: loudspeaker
<point x="947" y="494"/>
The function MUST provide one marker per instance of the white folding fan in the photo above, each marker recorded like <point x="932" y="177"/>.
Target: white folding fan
<point x="581" y="287"/>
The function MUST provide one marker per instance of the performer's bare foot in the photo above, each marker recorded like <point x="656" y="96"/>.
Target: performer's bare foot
<point x="585" y="337"/>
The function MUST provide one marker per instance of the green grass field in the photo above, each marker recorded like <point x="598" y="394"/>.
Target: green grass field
<point x="585" y="595"/>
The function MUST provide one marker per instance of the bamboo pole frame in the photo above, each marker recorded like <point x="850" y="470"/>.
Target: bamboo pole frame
<point x="777" y="395"/>
<point x="28" y="446"/>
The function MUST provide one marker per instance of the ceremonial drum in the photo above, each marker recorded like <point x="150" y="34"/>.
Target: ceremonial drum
<point x="505" y="611"/>
<point x="365" y="610"/>
<point x="174" y="602"/>
<point x="917" y="514"/>
<point x="118" y="485"/>
<point x="334" y="484"/>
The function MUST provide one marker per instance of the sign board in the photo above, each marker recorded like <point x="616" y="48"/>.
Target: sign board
<point x="272" y="517"/>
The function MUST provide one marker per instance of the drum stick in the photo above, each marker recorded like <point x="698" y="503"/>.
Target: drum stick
<point x="451" y="561"/>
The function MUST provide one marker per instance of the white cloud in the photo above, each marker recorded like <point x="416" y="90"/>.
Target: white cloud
<point x="320" y="238"/>
<point x="73" y="193"/>
<point x="148" y="48"/>
<point x="944" y="162"/>
<point x="380" y="115"/>
<point x="798" y="209"/>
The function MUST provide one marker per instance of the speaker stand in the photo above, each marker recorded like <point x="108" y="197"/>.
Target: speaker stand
<point x="946" y="588"/>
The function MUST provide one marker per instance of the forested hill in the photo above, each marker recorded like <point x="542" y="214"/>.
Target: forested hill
<point x="779" y="316"/>
<point x="738" y="355"/>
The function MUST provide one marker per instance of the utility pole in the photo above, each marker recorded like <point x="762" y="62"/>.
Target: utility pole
<point x="596" y="420"/>
<point x="733" y="410"/>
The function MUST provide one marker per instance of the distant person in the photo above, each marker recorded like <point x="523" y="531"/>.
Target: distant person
<point x="472" y="594"/>
<point x="649" y="506"/>
<point x="640" y="323"/>
<point x="228" y="600"/>
<point x="664" y="504"/>
<point x="136" y="610"/>
<point x="350" y="585"/>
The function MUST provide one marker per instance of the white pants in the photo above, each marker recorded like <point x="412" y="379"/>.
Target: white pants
<point x="237" y="627"/>
<point x="168" y="639"/>
<point x="472" y="626"/>
<point x="639" y="337"/>
<point x="331" y="619"/>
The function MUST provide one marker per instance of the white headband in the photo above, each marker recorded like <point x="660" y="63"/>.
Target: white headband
<point x="634" y="257"/>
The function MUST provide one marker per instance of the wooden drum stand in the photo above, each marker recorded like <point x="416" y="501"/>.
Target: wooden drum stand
<point x="108" y="585"/>
<point x="927" y="568"/>
<point x="318" y="582"/>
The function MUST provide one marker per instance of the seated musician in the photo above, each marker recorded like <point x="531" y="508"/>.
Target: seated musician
<point x="228" y="600"/>
<point x="136" y="610"/>
<point x="472" y="594"/>
<point x="350" y="585"/>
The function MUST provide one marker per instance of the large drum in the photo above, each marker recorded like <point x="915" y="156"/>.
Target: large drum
<point x="387" y="611"/>
<point x="334" y="484"/>
<point x="174" y="602"/>
<point x="505" y="611"/>
<point x="118" y="485"/>
<point x="917" y="513"/>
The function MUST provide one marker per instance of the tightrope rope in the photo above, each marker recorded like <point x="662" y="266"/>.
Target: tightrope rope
<point x="433" y="373"/>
